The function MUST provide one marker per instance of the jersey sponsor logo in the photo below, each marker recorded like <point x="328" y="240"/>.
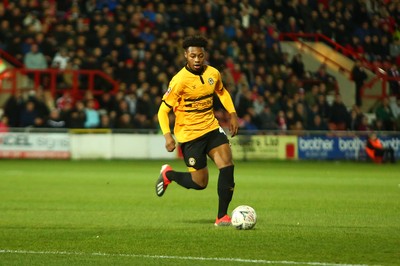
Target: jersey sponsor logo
<point x="210" y="81"/>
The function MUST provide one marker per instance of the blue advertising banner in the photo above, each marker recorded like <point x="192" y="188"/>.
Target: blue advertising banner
<point x="340" y="148"/>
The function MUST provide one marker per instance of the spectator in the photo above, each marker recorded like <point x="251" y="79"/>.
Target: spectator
<point x="61" y="59"/>
<point x="13" y="107"/>
<point x="125" y="72"/>
<point x="364" y="124"/>
<point x="298" y="66"/>
<point x="4" y="127"/>
<point x="34" y="59"/>
<point x="258" y="104"/>
<point x="145" y="111"/>
<point x="247" y="124"/>
<point x="244" y="103"/>
<point x="377" y="152"/>
<point x="354" y="120"/>
<point x="323" y="107"/>
<point x="92" y="116"/>
<point x="40" y="105"/>
<point x="368" y="48"/>
<point x="394" y="104"/>
<point x="111" y="34"/>
<point x="29" y="116"/>
<point x="281" y="121"/>
<point x="301" y="114"/>
<point x="318" y="124"/>
<point x="378" y="125"/>
<point x="132" y="102"/>
<point x="76" y="118"/>
<point x="65" y="99"/>
<point x="359" y="76"/>
<point x="323" y="75"/>
<point x="311" y="114"/>
<point x="384" y="113"/>
<point x="55" y="120"/>
<point x="106" y="121"/>
<point x="394" y="48"/>
<point x="290" y="119"/>
<point x="339" y="116"/>
<point x="107" y="102"/>
<point x="48" y="100"/>
<point x="32" y="23"/>
<point x="88" y="96"/>
<point x="311" y="96"/>
<point x="267" y="119"/>
<point x="125" y="121"/>
<point x="394" y="82"/>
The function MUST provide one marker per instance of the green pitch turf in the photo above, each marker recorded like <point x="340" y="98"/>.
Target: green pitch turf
<point x="107" y="213"/>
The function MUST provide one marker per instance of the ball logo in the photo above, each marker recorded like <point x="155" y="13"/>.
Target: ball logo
<point x="210" y="81"/>
<point x="192" y="161"/>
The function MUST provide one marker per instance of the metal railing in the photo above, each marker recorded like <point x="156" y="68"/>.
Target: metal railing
<point x="380" y="75"/>
<point x="14" y="79"/>
<point x="9" y="58"/>
<point x="317" y="37"/>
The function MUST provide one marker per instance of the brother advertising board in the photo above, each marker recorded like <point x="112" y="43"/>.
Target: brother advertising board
<point x="339" y="148"/>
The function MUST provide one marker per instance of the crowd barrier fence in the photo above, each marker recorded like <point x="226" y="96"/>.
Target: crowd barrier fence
<point x="149" y="144"/>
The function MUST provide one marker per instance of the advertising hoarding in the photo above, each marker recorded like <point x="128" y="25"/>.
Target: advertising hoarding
<point x="38" y="145"/>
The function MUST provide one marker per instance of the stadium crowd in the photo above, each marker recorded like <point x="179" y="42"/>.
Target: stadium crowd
<point x="138" y="43"/>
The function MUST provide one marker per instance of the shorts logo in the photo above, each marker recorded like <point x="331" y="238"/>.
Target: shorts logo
<point x="210" y="81"/>
<point x="192" y="161"/>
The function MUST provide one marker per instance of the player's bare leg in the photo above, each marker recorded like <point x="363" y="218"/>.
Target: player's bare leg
<point x="200" y="177"/>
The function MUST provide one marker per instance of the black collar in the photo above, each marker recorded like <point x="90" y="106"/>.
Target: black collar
<point x="200" y="72"/>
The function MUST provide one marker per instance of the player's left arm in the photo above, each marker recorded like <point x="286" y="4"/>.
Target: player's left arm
<point x="227" y="102"/>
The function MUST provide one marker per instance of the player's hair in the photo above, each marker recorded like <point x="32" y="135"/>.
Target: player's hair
<point x="195" y="41"/>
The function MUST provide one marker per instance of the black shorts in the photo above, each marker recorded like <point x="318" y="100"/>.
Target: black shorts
<point x="195" y="151"/>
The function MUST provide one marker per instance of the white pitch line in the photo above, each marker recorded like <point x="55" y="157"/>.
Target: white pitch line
<point x="175" y="257"/>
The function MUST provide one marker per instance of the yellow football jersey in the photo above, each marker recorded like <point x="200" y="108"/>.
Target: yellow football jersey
<point x="191" y="97"/>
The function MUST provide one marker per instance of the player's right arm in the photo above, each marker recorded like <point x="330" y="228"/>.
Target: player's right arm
<point x="169" y="100"/>
<point x="163" y="120"/>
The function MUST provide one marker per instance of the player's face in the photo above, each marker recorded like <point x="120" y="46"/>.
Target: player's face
<point x="195" y="57"/>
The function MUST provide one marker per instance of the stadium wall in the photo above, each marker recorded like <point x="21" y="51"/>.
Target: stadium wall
<point x="147" y="146"/>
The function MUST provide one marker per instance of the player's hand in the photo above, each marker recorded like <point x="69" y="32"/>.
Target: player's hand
<point x="234" y="126"/>
<point x="170" y="143"/>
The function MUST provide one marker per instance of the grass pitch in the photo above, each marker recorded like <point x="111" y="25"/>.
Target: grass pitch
<point x="107" y="213"/>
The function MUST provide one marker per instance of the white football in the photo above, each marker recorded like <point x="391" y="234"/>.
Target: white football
<point x="244" y="217"/>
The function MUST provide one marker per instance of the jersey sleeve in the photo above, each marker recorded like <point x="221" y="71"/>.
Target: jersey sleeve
<point x="163" y="119"/>
<point x="224" y="96"/>
<point x="169" y="100"/>
<point x="172" y="95"/>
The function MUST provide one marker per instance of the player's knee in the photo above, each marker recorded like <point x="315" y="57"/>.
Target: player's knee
<point x="200" y="179"/>
<point x="226" y="164"/>
<point x="202" y="186"/>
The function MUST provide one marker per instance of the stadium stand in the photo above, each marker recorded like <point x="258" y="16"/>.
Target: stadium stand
<point x="137" y="43"/>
